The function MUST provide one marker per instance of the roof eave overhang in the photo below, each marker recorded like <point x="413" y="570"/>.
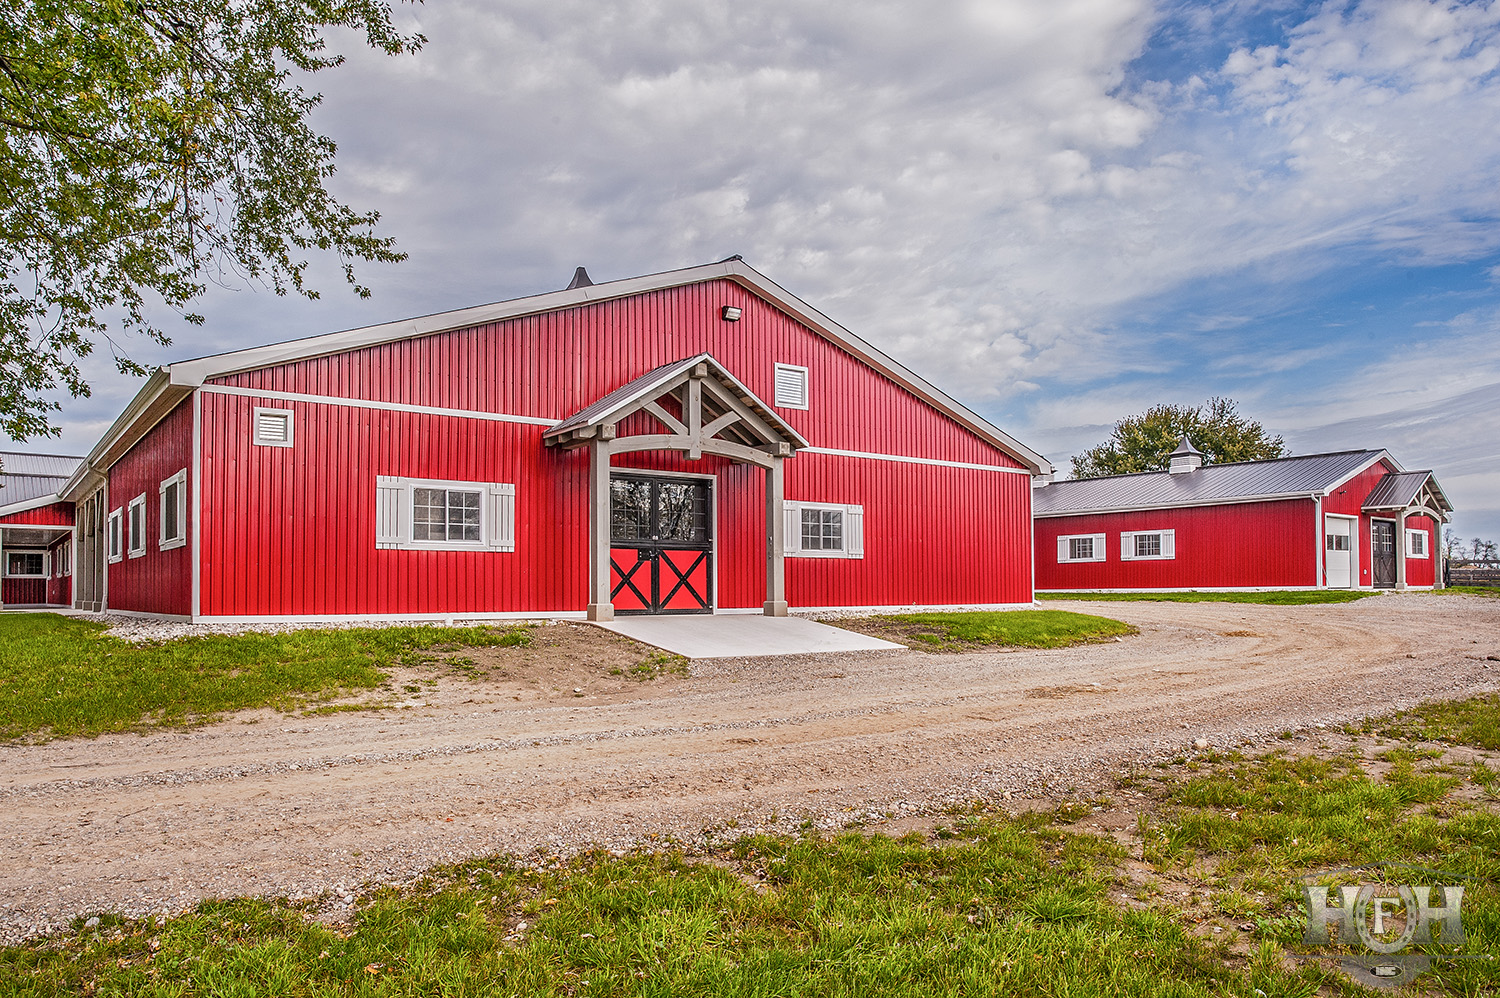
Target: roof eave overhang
<point x="1345" y="479"/>
<point x="192" y="373"/>
<point x="26" y="505"/>
<point x="156" y="399"/>
<point x="1147" y="507"/>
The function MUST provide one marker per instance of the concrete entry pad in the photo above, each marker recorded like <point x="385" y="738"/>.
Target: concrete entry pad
<point x="741" y="635"/>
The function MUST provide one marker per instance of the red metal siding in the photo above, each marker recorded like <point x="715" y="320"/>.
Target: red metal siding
<point x="57" y="514"/>
<point x="158" y="581"/>
<point x="1422" y="571"/>
<point x="59" y="587"/>
<point x="1347" y="500"/>
<point x="22" y="592"/>
<point x="291" y="530"/>
<point x="1266" y="544"/>
<point x="553" y="365"/>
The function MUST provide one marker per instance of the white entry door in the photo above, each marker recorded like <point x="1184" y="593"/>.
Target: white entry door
<point x="1338" y="553"/>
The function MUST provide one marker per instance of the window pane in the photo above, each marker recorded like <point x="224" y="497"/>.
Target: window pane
<point x="1147" y="545"/>
<point x="429" y="515"/>
<point x="463" y="516"/>
<point x="822" y="530"/>
<point x="1080" y="548"/>
<point x="629" y="509"/>
<point x="169" y="514"/>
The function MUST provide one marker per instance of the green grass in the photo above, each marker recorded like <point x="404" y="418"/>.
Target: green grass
<point x="1003" y="906"/>
<point x="1019" y="628"/>
<point x="1493" y="592"/>
<point x="1281" y="597"/>
<point x="1460" y="722"/>
<point x="61" y="677"/>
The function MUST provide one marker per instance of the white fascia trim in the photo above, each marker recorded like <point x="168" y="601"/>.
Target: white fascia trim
<point x="192" y="373"/>
<point x="1280" y="497"/>
<point x="156" y="386"/>
<point x="903" y="459"/>
<point x="374" y="618"/>
<point x="23" y="505"/>
<point x="1197" y="589"/>
<point x="1381" y="456"/>
<point x="428" y="410"/>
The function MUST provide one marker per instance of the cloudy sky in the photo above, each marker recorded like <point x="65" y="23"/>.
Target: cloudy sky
<point x="1061" y="211"/>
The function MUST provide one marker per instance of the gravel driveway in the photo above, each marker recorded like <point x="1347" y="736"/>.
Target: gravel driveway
<point x="270" y="803"/>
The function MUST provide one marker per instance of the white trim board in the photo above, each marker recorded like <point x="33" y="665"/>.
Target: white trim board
<point x="903" y="459"/>
<point x="353" y="403"/>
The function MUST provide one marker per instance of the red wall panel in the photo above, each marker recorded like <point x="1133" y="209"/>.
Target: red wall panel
<point x="552" y="365"/>
<point x="57" y="514"/>
<point x="158" y="581"/>
<point x="1266" y="544"/>
<point x="292" y="531"/>
<point x="1421" y="571"/>
<point x="23" y="591"/>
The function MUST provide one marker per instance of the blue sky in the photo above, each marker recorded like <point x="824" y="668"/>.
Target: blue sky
<point x="1061" y="211"/>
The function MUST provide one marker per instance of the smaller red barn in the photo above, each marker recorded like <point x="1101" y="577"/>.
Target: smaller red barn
<point x="1347" y="520"/>
<point x="36" y="530"/>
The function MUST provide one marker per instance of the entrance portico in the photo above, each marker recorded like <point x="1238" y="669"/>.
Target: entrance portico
<point x="693" y="407"/>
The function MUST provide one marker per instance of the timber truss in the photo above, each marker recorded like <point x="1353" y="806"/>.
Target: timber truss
<point x="694" y="407"/>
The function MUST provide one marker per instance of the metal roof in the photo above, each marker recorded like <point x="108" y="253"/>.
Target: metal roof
<point x="1214" y="483"/>
<point x="20" y="488"/>
<point x="1399" y="490"/>
<point x="49" y="465"/>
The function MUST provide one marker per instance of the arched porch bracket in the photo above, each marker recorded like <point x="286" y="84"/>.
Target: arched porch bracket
<point x="717" y="415"/>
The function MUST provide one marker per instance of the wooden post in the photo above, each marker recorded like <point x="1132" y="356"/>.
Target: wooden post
<point x="1401" y="550"/>
<point x="775" y="605"/>
<point x="600" y="606"/>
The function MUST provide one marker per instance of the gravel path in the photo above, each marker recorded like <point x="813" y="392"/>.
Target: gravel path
<point x="311" y="806"/>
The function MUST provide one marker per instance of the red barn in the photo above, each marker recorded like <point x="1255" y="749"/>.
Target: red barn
<point x="690" y="442"/>
<point x="36" y="530"/>
<point x="1350" y="520"/>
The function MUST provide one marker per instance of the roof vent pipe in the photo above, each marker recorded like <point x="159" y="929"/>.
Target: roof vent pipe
<point x="1186" y="458"/>
<point x="580" y="280"/>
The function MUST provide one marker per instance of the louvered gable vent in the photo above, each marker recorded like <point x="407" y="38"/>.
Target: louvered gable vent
<point x="791" y="386"/>
<point x="273" y="427"/>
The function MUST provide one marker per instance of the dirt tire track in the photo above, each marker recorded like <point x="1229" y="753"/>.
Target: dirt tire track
<point x="308" y="805"/>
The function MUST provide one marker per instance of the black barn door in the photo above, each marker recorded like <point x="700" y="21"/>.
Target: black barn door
<point x="1383" y="553"/>
<point x="661" y="544"/>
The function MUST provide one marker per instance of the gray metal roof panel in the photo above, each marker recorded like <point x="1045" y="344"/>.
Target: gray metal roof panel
<point x="54" y="465"/>
<point x="1400" y="489"/>
<point x="1244" y="480"/>
<point x="21" y="488"/>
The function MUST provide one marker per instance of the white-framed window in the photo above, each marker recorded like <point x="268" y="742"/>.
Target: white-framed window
<point x="136" y="522"/>
<point x="1416" y="543"/>
<point x="427" y="514"/>
<point x="1148" y="545"/>
<point x="115" y="532"/>
<point x="273" y="427"/>
<point x="26" y="564"/>
<point x="1080" y="547"/>
<point x="1338" y="542"/>
<point x="791" y="386"/>
<point x="174" y="511"/>
<point x="823" y="530"/>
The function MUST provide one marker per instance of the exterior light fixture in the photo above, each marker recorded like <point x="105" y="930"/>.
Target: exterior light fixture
<point x="731" y="313"/>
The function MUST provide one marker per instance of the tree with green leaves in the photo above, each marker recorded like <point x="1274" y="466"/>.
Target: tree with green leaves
<point x="1145" y="442"/>
<point x="148" y="147"/>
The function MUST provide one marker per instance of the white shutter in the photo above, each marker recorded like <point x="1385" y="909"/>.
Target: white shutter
<point x="1064" y="551"/>
<point x="791" y="520"/>
<point x="392" y="512"/>
<point x="502" y="518"/>
<point x="1101" y="552"/>
<point x="1169" y="544"/>
<point x="854" y="531"/>
<point x="1127" y="546"/>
